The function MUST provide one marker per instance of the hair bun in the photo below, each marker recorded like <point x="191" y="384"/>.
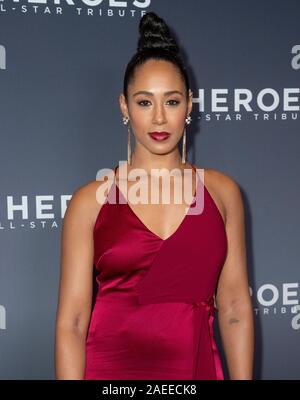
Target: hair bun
<point x="155" y="34"/>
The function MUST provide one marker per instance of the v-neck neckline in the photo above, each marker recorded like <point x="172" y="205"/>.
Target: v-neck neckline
<point x="145" y="226"/>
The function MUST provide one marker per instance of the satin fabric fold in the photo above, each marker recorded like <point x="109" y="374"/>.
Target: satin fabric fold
<point x="209" y="317"/>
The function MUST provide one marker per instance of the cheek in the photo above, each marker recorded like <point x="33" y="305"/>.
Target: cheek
<point x="177" y="119"/>
<point x="140" y="119"/>
<point x="179" y="116"/>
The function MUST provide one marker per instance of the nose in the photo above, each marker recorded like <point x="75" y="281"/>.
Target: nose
<point x="159" y="116"/>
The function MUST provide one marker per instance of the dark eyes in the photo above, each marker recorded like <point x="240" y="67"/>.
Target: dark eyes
<point x="173" y="102"/>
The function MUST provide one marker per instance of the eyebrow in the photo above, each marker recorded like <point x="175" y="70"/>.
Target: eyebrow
<point x="151" y="94"/>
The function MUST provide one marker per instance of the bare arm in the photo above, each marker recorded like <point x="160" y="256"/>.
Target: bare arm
<point x="235" y="312"/>
<point x="75" y="288"/>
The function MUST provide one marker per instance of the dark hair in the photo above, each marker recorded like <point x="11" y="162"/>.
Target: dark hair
<point x="155" y="42"/>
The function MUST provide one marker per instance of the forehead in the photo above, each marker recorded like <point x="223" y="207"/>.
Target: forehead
<point x="156" y="75"/>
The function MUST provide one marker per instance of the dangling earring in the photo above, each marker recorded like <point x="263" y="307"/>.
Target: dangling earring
<point x="125" y="121"/>
<point x="183" y="147"/>
<point x="183" y="158"/>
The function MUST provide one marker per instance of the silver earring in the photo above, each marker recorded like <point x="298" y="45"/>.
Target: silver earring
<point x="125" y="122"/>
<point x="128" y="145"/>
<point x="183" y="156"/>
<point x="188" y="120"/>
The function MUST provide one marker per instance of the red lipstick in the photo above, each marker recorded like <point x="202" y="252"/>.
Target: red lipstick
<point x="159" y="135"/>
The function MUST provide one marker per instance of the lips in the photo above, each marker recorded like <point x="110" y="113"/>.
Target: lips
<point x="159" y="135"/>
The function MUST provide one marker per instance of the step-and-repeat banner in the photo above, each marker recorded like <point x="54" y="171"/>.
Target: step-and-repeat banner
<point x="62" y="65"/>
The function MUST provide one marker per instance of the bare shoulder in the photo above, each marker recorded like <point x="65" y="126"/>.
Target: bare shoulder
<point x="225" y="183"/>
<point x="226" y="189"/>
<point x="86" y="203"/>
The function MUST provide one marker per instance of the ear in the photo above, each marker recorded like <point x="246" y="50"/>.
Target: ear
<point x="123" y="105"/>
<point x="190" y="102"/>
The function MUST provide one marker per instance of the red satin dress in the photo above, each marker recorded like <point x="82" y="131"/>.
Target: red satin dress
<point x="154" y="310"/>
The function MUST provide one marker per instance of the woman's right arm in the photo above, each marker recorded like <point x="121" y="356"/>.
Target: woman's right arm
<point x="76" y="285"/>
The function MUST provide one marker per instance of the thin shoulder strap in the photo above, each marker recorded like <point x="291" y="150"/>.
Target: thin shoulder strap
<point x="115" y="171"/>
<point x="195" y="169"/>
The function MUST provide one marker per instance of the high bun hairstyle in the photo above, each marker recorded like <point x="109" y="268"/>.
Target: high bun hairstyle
<point x="155" y="42"/>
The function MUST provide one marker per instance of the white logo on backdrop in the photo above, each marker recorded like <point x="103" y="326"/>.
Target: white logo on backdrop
<point x="236" y="104"/>
<point x="2" y="57"/>
<point x="39" y="213"/>
<point x="296" y="319"/>
<point x="271" y="300"/>
<point x="109" y="8"/>
<point x="296" y="59"/>
<point x="2" y="317"/>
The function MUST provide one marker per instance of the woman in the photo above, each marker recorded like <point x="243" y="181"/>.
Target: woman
<point x="163" y="271"/>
